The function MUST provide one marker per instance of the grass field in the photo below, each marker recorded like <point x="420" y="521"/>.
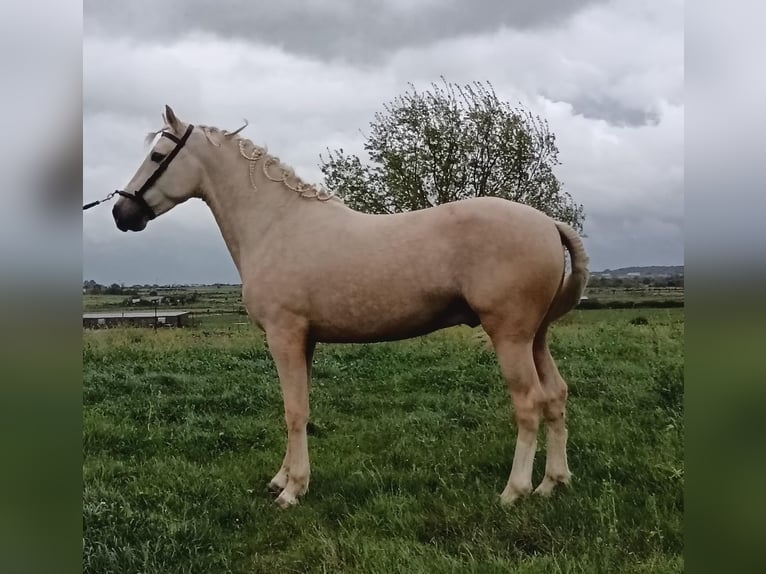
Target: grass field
<point x="411" y="443"/>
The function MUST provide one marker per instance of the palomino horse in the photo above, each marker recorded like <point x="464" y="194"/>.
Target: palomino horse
<point x="314" y="270"/>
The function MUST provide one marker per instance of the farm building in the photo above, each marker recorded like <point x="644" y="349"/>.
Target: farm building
<point x="136" y="319"/>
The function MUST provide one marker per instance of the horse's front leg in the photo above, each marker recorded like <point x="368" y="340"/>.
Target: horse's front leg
<point x="289" y="348"/>
<point x="279" y="482"/>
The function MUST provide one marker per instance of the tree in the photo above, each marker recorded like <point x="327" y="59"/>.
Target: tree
<point x="449" y="143"/>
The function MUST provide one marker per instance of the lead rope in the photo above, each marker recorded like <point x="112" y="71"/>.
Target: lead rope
<point x="303" y="189"/>
<point x="95" y="203"/>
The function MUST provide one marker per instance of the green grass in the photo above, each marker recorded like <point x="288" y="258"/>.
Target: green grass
<point x="410" y="442"/>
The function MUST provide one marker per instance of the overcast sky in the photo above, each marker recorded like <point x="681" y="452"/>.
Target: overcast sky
<point x="310" y="74"/>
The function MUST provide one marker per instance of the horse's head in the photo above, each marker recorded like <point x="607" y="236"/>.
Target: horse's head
<point x="169" y="175"/>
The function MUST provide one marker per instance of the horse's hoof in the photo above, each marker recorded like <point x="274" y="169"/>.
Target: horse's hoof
<point x="509" y="499"/>
<point x="286" y="500"/>
<point x="549" y="483"/>
<point x="275" y="487"/>
<point x="546" y="487"/>
<point x="511" y="495"/>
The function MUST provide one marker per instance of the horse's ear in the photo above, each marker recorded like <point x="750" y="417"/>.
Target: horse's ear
<point x="171" y="120"/>
<point x="213" y="138"/>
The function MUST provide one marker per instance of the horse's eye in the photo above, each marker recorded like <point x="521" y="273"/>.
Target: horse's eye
<point x="157" y="156"/>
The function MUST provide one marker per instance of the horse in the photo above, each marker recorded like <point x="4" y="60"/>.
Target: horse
<point x="314" y="270"/>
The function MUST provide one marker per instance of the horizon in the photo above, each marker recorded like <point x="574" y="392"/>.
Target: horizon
<point x="238" y="283"/>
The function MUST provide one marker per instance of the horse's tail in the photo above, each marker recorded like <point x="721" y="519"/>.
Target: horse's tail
<point x="572" y="285"/>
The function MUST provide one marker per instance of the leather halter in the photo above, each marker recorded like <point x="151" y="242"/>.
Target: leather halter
<point x="138" y="197"/>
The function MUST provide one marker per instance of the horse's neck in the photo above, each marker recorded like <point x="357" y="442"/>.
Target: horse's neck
<point x="244" y="214"/>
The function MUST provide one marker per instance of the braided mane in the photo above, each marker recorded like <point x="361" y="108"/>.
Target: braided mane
<point x="270" y="164"/>
<point x="254" y="153"/>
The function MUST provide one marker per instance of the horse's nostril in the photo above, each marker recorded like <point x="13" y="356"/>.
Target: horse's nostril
<point x="118" y="220"/>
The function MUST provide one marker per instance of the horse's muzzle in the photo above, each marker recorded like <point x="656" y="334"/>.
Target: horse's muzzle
<point x="129" y="219"/>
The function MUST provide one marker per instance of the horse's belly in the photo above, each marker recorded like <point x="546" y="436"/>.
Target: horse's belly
<point x="397" y="320"/>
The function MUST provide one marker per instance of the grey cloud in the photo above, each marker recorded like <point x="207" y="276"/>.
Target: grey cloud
<point x="628" y="172"/>
<point x="349" y="30"/>
<point x="613" y="111"/>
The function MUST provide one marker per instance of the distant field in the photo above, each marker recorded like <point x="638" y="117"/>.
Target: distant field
<point x="208" y="299"/>
<point x="635" y="293"/>
<point x="222" y="305"/>
<point x="411" y="443"/>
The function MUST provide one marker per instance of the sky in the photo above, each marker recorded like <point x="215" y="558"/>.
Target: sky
<point x="309" y="75"/>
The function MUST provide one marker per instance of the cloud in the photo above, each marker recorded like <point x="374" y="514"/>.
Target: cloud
<point x="341" y="29"/>
<point x="607" y="77"/>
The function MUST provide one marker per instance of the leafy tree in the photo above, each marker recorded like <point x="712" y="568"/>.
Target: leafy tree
<point x="449" y="143"/>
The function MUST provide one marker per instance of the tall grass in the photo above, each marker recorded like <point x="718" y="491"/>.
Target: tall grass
<point x="410" y="442"/>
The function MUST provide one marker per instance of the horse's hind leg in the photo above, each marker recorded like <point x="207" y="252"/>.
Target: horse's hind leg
<point x="554" y="410"/>
<point x="517" y="365"/>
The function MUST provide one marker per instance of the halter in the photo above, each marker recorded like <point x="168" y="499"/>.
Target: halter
<point x="138" y="196"/>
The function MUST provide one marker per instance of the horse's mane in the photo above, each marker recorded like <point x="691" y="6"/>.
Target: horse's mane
<point x="262" y="151"/>
<point x="211" y="132"/>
